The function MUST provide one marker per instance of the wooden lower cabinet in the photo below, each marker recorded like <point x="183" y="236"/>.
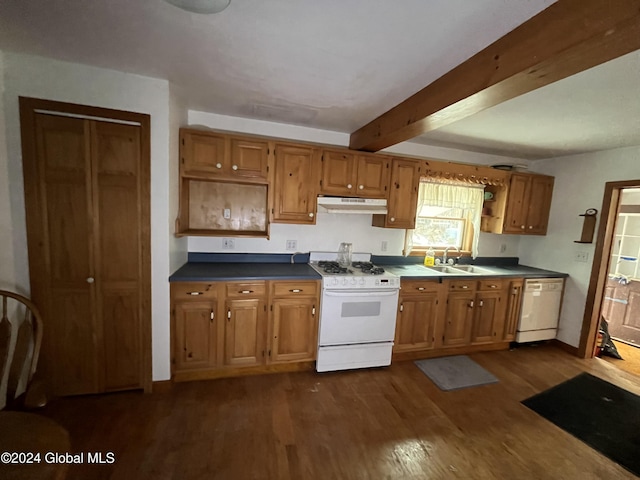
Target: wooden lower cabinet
<point x="458" y="319"/>
<point x="232" y="328"/>
<point x="418" y="308"/>
<point x="244" y="332"/>
<point x="294" y="330"/>
<point x="514" y="303"/>
<point x="456" y="316"/>
<point x="194" y="334"/>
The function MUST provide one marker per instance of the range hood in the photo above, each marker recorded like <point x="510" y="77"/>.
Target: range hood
<point x="352" y="205"/>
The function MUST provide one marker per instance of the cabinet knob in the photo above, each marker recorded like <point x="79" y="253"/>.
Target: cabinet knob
<point x="530" y="227"/>
<point x="349" y="185"/>
<point x="295" y="290"/>
<point x="90" y="280"/>
<point x="493" y="286"/>
<point x="218" y="165"/>
<point x="195" y="293"/>
<point x="420" y="288"/>
<point x="234" y="167"/>
<point x="392" y="219"/>
<point x="522" y="227"/>
<point x="245" y="291"/>
<point x="361" y="187"/>
<point x="464" y="286"/>
<point x="311" y="214"/>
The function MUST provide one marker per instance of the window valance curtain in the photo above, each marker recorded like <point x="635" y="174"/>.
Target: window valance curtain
<point x="468" y="197"/>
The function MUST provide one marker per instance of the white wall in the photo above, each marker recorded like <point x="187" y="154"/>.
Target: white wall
<point x="331" y="229"/>
<point x="8" y="280"/>
<point x="579" y="184"/>
<point x="177" y="118"/>
<point x="54" y="80"/>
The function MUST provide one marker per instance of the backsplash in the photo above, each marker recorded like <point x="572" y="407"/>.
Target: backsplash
<point x="332" y="229"/>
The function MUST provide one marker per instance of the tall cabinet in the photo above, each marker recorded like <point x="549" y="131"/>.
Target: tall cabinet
<point x="87" y="205"/>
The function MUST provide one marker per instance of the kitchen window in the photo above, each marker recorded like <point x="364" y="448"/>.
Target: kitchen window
<point x="448" y="215"/>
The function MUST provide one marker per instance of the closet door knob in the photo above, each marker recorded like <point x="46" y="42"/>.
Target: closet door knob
<point x="90" y="280"/>
<point x="218" y="165"/>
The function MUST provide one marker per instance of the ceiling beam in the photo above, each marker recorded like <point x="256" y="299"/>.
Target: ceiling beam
<point x="566" y="38"/>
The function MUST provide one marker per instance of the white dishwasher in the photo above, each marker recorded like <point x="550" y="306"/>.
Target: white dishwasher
<point x="540" y="309"/>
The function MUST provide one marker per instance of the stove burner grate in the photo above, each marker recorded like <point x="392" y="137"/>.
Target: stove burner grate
<point x="333" y="267"/>
<point x="368" y="268"/>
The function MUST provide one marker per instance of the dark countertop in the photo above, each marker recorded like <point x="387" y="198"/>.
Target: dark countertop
<point x="420" y="272"/>
<point x="209" y="267"/>
<point x="209" y="272"/>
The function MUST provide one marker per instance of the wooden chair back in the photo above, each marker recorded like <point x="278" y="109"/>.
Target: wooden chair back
<point x="20" y="340"/>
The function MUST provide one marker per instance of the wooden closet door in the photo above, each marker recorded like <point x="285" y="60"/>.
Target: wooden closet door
<point x="87" y="204"/>
<point x="63" y="268"/>
<point x="117" y="216"/>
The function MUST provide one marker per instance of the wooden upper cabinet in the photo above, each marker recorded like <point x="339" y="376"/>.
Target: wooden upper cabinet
<point x="295" y="179"/>
<point x="220" y="155"/>
<point x="372" y="180"/>
<point x="403" y="195"/>
<point x="347" y="173"/>
<point x="249" y="158"/>
<point x="528" y="204"/>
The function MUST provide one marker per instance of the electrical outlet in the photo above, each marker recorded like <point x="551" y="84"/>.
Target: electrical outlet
<point x="292" y="245"/>
<point x="582" y="256"/>
<point x="383" y="246"/>
<point x="226" y="213"/>
<point x="503" y="247"/>
<point x="228" y="244"/>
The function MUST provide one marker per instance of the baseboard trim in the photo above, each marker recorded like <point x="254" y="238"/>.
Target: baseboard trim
<point x="161" y="386"/>
<point x="445" y="352"/>
<point x="566" y="347"/>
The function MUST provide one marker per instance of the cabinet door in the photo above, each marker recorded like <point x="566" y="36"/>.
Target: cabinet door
<point x="194" y="345"/>
<point x="403" y="196"/>
<point x="373" y="176"/>
<point x="294" y="331"/>
<point x="458" y="319"/>
<point x="338" y="173"/>
<point x="487" y="315"/>
<point x="249" y="158"/>
<point x="515" y="218"/>
<point x="295" y="184"/>
<point x="514" y="301"/>
<point x="416" y="323"/>
<point x="203" y="153"/>
<point x="244" y="333"/>
<point x="539" y="204"/>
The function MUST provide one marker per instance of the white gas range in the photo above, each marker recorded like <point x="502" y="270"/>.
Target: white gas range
<point x="357" y="312"/>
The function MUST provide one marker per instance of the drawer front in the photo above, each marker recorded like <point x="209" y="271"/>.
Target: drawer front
<point x="248" y="289"/>
<point x="462" y="285"/>
<point x="193" y="290"/>
<point x="293" y="288"/>
<point x="416" y="287"/>
<point x="492" y="284"/>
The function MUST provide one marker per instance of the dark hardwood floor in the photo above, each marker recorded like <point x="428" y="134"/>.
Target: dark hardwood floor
<point x="390" y="423"/>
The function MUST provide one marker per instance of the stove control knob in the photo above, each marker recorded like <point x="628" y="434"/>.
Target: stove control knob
<point x="362" y="281"/>
<point x="344" y="281"/>
<point x="353" y="281"/>
<point x="335" y="281"/>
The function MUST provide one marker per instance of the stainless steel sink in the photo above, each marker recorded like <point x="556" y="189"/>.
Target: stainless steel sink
<point x="447" y="269"/>
<point x="460" y="270"/>
<point x="473" y="269"/>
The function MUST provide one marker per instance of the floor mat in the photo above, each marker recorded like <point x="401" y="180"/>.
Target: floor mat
<point x="602" y="415"/>
<point x="453" y="373"/>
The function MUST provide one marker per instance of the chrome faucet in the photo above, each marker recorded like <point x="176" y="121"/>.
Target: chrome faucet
<point x="444" y="255"/>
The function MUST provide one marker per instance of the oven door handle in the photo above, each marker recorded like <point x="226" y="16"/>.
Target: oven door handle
<point x="360" y="293"/>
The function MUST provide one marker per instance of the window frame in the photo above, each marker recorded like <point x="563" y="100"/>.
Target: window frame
<point x="467" y="240"/>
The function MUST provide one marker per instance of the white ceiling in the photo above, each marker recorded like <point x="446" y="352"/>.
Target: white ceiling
<point x="333" y="64"/>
